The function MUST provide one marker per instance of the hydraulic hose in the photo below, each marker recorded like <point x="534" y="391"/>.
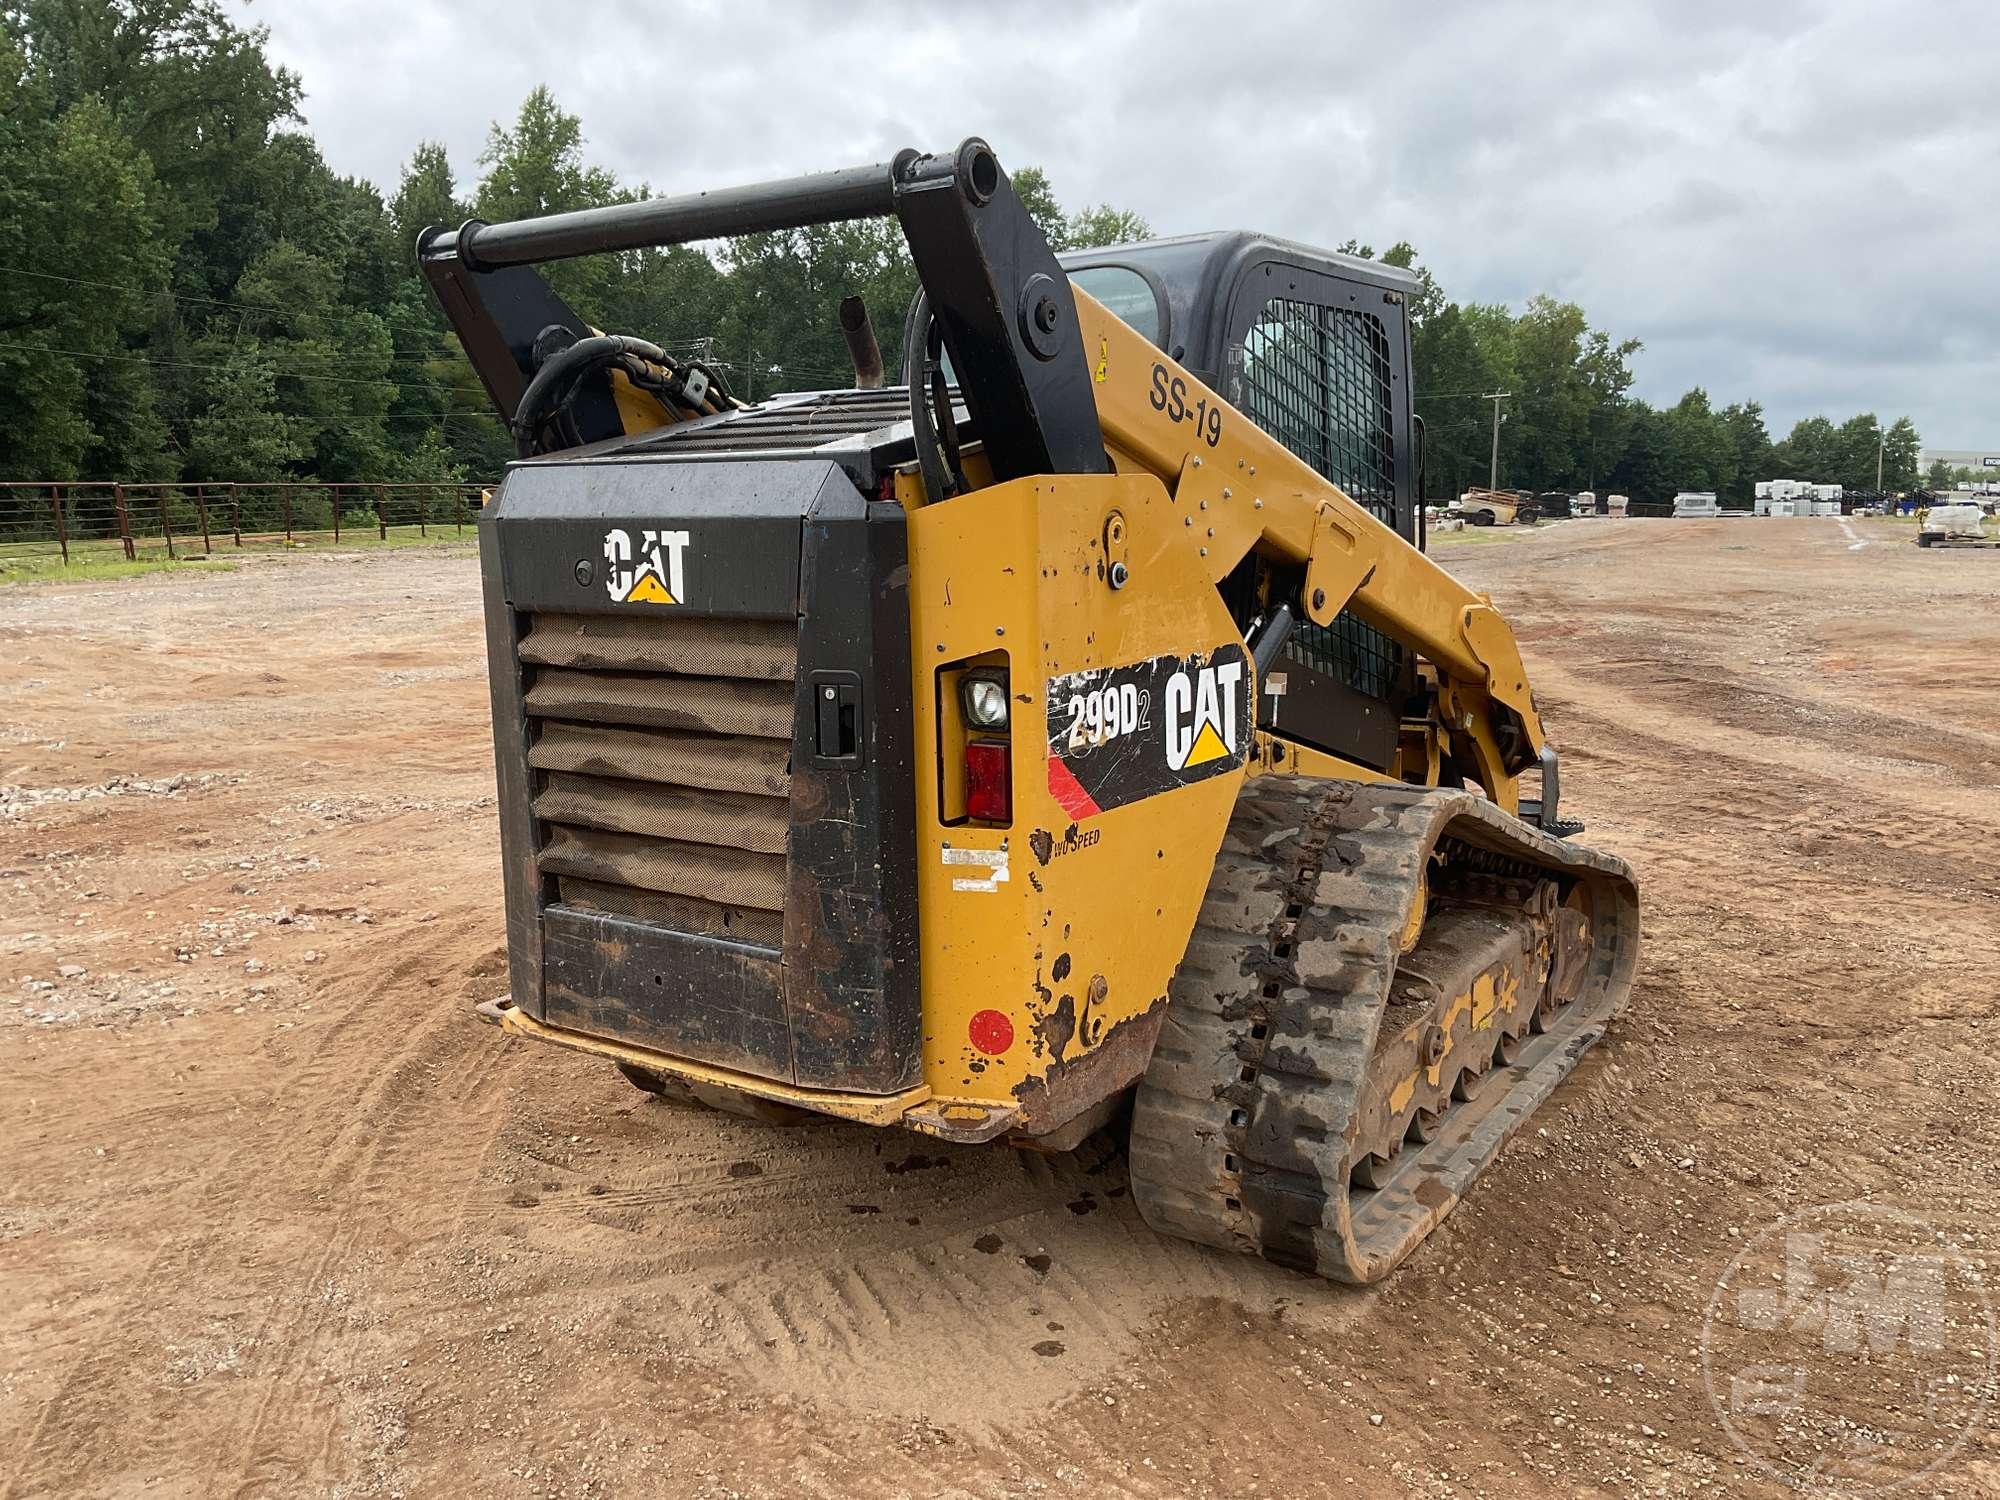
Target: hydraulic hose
<point x="561" y="370"/>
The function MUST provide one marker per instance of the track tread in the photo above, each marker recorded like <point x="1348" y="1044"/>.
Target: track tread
<point x="1240" y="1135"/>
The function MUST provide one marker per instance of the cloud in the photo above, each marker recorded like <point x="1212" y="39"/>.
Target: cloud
<point x="1784" y="201"/>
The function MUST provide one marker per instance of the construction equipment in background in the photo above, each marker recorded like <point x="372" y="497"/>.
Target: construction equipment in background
<point x="1961" y="525"/>
<point x="1077" y="725"/>
<point x="1497" y="508"/>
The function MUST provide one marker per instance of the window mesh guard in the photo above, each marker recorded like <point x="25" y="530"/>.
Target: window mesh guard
<point x="1317" y="379"/>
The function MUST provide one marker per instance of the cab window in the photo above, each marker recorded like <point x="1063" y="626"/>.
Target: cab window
<point x="1127" y="294"/>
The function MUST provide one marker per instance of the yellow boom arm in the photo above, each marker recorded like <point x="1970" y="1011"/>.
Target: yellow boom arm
<point x="1240" y="489"/>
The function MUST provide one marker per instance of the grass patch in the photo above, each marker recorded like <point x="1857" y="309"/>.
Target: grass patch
<point x="91" y="568"/>
<point x="96" y="558"/>
<point x="365" y="541"/>
<point x="1468" y="536"/>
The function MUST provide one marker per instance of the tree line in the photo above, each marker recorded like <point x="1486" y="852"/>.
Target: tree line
<point x="189" y="292"/>
<point x="1570" y="422"/>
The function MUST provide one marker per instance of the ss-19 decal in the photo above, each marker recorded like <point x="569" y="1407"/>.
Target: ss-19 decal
<point x="1121" y="734"/>
<point x="1170" y="395"/>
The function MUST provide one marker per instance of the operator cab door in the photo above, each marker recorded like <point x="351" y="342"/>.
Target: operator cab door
<point x="1321" y="362"/>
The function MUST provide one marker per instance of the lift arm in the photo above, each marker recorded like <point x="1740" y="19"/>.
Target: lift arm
<point x="1245" y="490"/>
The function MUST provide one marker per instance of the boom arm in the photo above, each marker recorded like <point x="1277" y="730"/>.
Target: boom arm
<point x="1243" y="489"/>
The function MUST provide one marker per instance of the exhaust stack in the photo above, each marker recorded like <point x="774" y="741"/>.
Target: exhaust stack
<point x="859" y="331"/>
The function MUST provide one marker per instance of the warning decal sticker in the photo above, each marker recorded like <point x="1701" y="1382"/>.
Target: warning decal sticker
<point x="1121" y="734"/>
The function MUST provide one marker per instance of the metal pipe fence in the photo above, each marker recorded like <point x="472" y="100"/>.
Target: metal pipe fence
<point x="74" y="521"/>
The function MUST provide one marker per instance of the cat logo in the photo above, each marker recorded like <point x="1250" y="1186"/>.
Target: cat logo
<point x="652" y="575"/>
<point x="1201" y="714"/>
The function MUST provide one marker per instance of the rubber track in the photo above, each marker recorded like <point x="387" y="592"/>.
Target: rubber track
<point x="1240" y="1128"/>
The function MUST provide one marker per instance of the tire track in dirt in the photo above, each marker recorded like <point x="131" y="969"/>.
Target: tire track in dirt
<point x="1815" y="1012"/>
<point x="368" y="1121"/>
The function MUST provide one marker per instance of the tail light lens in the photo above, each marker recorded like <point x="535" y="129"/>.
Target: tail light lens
<point x="989" y="787"/>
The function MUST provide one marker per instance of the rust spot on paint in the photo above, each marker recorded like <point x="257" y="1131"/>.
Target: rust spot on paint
<point x="1057" y="1028"/>
<point x="1074" y="1084"/>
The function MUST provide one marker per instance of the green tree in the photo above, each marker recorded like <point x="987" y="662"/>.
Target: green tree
<point x="1857" y="443"/>
<point x="1699" y="448"/>
<point x="1900" y="452"/>
<point x="79" y="232"/>
<point x="1100" y="224"/>
<point x="428" y="195"/>
<point x="1750" y="448"/>
<point x="537" y="167"/>
<point x="1646" y="470"/>
<point x="1939" y="476"/>
<point x="1087" y="229"/>
<point x="242" y="429"/>
<point x="190" y="88"/>
<point x="1031" y="186"/>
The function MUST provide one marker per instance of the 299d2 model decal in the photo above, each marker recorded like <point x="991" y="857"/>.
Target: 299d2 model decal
<point x="1121" y="734"/>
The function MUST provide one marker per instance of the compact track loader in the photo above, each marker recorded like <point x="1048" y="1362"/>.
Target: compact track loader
<point x="1080" y="722"/>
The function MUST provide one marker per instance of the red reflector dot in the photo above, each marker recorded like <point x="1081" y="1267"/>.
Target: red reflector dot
<point x="991" y="1032"/>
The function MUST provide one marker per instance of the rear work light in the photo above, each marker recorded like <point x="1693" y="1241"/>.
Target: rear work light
<point x="989" y="787"/>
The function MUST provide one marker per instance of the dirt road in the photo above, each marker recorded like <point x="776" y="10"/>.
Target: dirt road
<point x="277" y="1217"/>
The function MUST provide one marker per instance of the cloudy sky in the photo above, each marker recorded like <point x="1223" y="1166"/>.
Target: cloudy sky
<point x="1788" y="200"/>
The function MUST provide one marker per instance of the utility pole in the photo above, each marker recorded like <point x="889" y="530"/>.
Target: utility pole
<point x="1881" y="447"/>
<point x="1493" y="473"/>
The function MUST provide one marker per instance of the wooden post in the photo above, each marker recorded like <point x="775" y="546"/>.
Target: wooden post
<point x="235" y="513"/>
<point x="166" y="522"/>
<point x="285" y="494"/>
<point x="423" y="510"/>
<point x="201" y="509"/>
<point x="124" y="521"/>
<point x="382" y="512"/>
<point x="62" y="527"/>
<point x="336" y="515"/>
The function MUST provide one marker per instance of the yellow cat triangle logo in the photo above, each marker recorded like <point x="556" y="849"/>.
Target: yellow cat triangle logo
<point x="649" y="590"/>
<point x="1207" y="746"/>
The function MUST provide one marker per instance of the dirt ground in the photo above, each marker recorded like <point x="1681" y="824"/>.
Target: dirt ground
<point x="278" y="1217"/>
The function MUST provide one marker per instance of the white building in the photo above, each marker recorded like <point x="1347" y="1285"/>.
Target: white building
<point x="1961" y="458"/>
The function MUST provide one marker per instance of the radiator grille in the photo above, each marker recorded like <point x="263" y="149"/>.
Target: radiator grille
<point x="662" y="747"/>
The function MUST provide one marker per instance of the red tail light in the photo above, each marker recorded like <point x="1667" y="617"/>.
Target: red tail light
<point x="989" y="787"/>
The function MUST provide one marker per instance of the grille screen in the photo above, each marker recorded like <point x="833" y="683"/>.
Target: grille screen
<point x="663" y="751"/>
<point x="1318" y="380"/>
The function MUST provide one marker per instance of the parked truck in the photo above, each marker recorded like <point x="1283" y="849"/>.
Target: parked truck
<point x="1497" y="508"/>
